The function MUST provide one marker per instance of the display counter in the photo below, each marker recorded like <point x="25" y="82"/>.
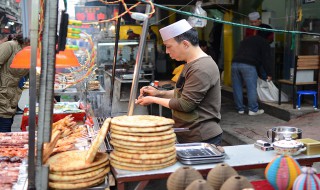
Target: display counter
<point x="240" y="157"/>
<point x="78" y="116"/>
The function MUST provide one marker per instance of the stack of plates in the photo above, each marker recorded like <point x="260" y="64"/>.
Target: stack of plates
<point x="198" y="153"/>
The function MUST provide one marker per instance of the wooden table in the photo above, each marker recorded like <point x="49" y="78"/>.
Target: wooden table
<point x="240" y="157"/>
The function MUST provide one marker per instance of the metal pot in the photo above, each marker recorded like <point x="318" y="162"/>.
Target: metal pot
<point x="288" y="147"/>
<point x="283" y="132"/>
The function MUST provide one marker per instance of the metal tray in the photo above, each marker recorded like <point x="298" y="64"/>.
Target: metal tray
<point x="201" y="161"/>
<point x="197" y="150"/>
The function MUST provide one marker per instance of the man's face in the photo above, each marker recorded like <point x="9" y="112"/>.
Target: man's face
<point x="175" y="49"/>
<point x="255" y="22"/>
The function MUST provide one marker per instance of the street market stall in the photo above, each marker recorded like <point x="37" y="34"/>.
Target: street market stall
<point x="240" y="157"/>
<point x="145" y="141"/>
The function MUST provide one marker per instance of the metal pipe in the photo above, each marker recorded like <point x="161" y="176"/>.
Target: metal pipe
<point x="137" y="67"/>
<point x="115" y="55"/>
<point x="32" y="92"/>
<point x="46" y="89"/>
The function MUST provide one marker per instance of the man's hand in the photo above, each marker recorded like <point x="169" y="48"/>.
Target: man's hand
<point x="148" y="91"/>
<point x="269" y="78"/>
<point x="144" y="100"/>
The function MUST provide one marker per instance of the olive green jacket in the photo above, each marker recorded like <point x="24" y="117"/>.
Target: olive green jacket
<point x="9" y="79"/>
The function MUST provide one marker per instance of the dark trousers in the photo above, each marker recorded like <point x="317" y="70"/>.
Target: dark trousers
<point x="214" y="140"/>
<point x="5" y="124"/>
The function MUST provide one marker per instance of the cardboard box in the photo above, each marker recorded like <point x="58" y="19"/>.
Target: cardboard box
<point x="313" y="146"/>
<point x="305" y="76"/>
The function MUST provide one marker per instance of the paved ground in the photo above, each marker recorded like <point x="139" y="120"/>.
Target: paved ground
<point x="245" y="129"/>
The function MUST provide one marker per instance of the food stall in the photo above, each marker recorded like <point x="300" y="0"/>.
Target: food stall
<point x="124" y="137"/>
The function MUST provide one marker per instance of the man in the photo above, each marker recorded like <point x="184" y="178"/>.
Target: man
<point x="254" y="52"/>
<point x="9" y="81"/>
<point x="132" y="35"/>
<point x="196" y="99"/>
<point x="255" y="20"/>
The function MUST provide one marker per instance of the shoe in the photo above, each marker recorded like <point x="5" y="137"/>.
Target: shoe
<point x="259" y="112"/>
<point x="240" y="112"/>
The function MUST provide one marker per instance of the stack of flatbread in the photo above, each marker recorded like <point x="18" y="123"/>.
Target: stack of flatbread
<point x="94" y="85"/>
<point x="142" y="142"/>
<point x="79" y="169"/>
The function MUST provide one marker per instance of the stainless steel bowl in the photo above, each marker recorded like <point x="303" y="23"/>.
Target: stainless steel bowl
<point x="283" y="132"/>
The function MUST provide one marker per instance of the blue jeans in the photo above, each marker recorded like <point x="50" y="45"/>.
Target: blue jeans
<point x="5" y="124"/>
<point x="247" y="74"/>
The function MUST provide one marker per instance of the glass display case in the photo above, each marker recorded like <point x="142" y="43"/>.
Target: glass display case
<point x="126" y="58"/>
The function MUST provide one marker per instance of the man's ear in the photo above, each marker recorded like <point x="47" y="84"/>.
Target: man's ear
<point x="186" y="43"/>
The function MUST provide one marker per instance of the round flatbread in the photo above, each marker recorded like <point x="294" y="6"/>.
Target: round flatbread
<point x="141" y="121"/>
<point x="142" y="168"/>
<point x="141" y="130"/>
<point x="144" y="165"/>
<point x="115" y="144"/>
<point x="58" y="185"/>
<point x="145" y="144"/>
<point x="143" y="139"/>
<point x="56" y="177"/>
<point x="98" y="141"/>
<point x="74" y="160"/>
<point x="147" y="134"/>
<point x="143" y="156"/>
<point x="103" y="174"/>
<point x="147" y="161"/>
<point x="79" y="177"/>
<point x="83" y="171"/>
<point x="148" y="151"/>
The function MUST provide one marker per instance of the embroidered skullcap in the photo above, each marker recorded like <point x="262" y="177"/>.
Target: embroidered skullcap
<point x="254" y="16"/>
<point x="174" y="29"/>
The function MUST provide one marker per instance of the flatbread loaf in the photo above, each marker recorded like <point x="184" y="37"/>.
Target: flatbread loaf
<point x="142" y="168"/>
<point x="141" y="129"/>
<point x="115" y="144"/>
<point x="74" y="160"/>
<point x="141" y="121"/>
<point x="103" y="165"/>
<point x="145" y="144"/>
<point x="148" y="134"/>
<point x="98" y="141"/>
<point x="58" y="185"/>
<point x="146" y="161"/>
<point x="103" y="174"/>
<point x="143" y="156"/>
<point x="143" y="139"/>
<point x="56" y="177"/>
<point x="148" y="151"/>
<point x="144" y="165"/>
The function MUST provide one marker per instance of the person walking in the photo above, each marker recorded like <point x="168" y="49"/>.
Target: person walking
<point x="254" y="52"/>
<point x="196" y="100"/>
<point x="9" y="81"/>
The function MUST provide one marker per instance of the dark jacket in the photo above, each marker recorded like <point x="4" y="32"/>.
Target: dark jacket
<point x="255" y="50"/>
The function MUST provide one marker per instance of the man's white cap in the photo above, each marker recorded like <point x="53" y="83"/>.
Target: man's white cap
<point x="174" y="29"/>
<point x="254" y="16"/>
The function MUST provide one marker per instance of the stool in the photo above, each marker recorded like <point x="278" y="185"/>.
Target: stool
<point x="307" y="92"/>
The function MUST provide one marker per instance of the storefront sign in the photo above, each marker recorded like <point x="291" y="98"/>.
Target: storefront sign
<point x="90" y="13"/>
